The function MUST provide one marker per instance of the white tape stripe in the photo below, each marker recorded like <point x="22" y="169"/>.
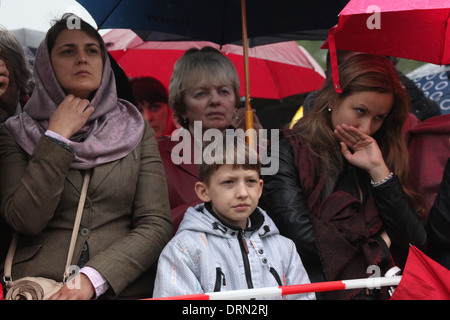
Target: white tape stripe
<point x="246" y="294"/>
<point x="375" y="282"/>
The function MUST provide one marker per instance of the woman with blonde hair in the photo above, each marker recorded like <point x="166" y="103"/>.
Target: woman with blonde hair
<point x="342" y="192"/>
<point x="203" y="92"/>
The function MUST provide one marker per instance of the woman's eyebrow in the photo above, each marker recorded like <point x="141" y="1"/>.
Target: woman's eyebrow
<point x="71" y="45"/>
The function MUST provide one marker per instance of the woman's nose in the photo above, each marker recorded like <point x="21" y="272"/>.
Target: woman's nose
<point x="214" y="97"/>
<point x="365" y="126"/>
<point x="81" y="57"/>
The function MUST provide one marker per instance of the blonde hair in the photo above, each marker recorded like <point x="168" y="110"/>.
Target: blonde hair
<point x="199" y="66"/>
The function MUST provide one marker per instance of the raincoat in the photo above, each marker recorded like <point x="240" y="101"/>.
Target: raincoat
<point x="207" y="255"/>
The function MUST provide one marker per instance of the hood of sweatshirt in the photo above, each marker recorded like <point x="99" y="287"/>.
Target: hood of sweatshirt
<point x="201" y="218"/>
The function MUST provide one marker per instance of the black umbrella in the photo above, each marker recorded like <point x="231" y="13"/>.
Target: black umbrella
<point x="220" y="21"/>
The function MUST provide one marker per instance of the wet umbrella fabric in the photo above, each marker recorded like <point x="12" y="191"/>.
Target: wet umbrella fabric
<point x="222" y="22"/>
<point x="417" y="30"/>
<point x="423" y="279"/>
<point x="277" y="70"/>
<point x="218" y="21"/>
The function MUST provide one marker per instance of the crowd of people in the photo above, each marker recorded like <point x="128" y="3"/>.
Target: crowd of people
<point x="343" y="198"/>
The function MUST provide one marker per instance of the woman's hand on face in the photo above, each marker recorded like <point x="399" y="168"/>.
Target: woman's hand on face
<point x="366" y="153"/>
<point x="70" y="116"/>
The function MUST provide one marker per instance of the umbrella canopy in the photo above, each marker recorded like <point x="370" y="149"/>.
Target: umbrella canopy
<point x="221" y="22"/>
<point x="434" y="81"/>
<point x="276" y="70"/>
<point x="417" y="30"/>
<point x="423" y="279"/>
<point x="218" y="21"/>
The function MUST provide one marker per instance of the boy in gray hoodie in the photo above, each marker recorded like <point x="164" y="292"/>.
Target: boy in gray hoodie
<point x="228" y="242"/>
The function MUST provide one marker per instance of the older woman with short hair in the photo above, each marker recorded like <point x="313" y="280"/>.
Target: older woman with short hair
<point x="203" y="92"/>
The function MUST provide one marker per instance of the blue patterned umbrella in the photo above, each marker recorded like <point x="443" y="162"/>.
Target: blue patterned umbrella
<point x="434" y="81"/>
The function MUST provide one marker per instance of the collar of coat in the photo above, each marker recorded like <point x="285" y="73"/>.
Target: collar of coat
<point x="256" y="219"/>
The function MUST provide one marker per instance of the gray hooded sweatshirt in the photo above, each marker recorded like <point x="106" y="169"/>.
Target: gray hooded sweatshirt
<point x="207" y="255"/>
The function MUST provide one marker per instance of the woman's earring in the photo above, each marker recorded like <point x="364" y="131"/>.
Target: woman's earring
<point x="329" y="109"/>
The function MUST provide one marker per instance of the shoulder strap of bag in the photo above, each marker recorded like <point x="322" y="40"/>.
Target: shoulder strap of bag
<point x="13" y="245"/>
<point x="87" y="177"/>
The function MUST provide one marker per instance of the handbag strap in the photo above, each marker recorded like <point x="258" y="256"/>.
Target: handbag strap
<point x="15" y="239"/>
<point x="76" y="226"/>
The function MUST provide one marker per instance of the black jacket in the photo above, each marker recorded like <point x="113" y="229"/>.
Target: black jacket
<point x="439" y="222"/>
<point x="285" y="202"/>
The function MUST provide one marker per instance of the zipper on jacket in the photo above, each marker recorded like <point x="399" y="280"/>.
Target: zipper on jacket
<point x="220" y="279"/>
<point x="244" y="251"/>
<point x="276" y="275"/>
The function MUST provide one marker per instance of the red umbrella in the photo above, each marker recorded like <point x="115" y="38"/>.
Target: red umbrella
<point x="277" y="70"/>
<point x="417" y="30"/>
<point x="208" y="20"/>
<point x="423" y="279"/>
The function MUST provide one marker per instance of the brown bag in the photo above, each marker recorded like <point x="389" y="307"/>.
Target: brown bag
<point x="38" y="288"/>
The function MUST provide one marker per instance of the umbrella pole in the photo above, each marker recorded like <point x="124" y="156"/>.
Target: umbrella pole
<point x="248" y="107"/>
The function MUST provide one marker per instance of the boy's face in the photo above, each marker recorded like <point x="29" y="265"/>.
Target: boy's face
<point x="234" y="194"/>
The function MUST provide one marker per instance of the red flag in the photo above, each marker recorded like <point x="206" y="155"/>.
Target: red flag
<point x="423" y="279"/>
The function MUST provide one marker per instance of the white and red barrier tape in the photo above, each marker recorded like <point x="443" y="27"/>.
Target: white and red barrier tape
<point x="373" y="282"/>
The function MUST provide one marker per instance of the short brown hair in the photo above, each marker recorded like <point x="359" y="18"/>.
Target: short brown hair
<point x="231" y="150"/>
<point x="148" y="89"/>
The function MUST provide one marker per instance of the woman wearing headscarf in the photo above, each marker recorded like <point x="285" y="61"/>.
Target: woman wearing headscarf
<point x="74" y="122"/>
